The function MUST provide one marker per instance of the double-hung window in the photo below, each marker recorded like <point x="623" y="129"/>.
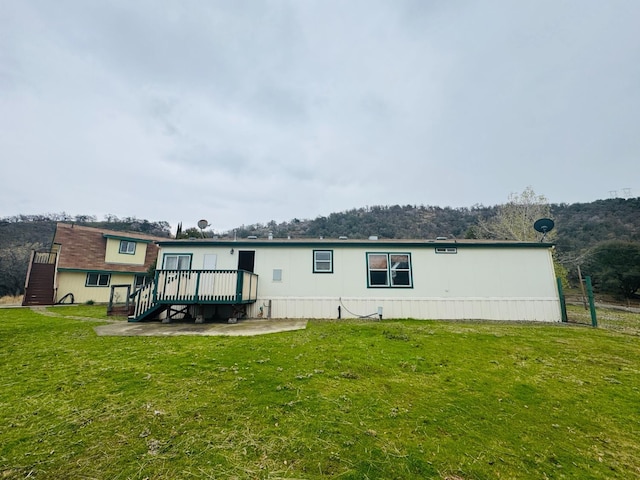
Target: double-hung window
<point x="127" y="247"/>
<point x="389" y="270"/>
<point x="176" y="262"/>
<point x="323" y="261"/>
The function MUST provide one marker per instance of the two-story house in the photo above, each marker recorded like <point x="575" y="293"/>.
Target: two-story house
<point x="84" y="262"/>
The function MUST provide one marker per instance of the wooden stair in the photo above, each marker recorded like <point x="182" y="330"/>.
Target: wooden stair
<point x="40" y="289"/>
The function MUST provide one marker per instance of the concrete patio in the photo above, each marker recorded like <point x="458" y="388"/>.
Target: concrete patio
<point x="241" y="328"/>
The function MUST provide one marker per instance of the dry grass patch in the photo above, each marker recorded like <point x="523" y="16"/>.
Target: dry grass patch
<point x="11" y="300"/>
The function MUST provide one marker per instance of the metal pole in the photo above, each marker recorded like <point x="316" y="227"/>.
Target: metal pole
<point x="592" y="306"/>
<point x="584" y="297"/>
<point x="563" y="304"/>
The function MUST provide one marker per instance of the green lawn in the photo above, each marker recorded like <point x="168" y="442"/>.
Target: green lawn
<point x="344" y="399"/>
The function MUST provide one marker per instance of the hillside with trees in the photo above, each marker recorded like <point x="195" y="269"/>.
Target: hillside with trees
<point x="579" y="229"/>
<point x="578" y="226"/>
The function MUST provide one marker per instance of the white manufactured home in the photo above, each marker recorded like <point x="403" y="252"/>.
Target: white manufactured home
<point x="341" y="278"/>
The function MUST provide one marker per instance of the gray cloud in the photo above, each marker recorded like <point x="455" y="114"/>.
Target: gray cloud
<point x="244" y="112"/>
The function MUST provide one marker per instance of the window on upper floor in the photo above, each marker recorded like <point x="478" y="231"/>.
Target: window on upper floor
<point x="127" y="247"/>
<point x="389" y="270"/>
<point x="172" y="261"/>
<point x="98" y="280"/>
<point x="323" y="261"/>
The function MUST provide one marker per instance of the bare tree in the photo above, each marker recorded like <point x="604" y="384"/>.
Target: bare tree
<point x="514" y="220"/>
<point x="14" y="261"/>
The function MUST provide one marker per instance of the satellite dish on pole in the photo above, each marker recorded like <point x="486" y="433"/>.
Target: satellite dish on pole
<point x="202" y="224"/>
<point x="544" y="226"/>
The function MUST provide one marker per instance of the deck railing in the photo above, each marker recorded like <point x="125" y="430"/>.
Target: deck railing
<point x="185" y="287"/>
<point x="44" y="257"/>
<point x="205" y="286"/>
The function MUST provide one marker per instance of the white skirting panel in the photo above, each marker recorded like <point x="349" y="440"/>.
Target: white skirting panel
<point x="531" y="308"/>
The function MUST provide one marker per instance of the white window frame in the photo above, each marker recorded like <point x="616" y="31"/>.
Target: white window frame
<point x="390" y="270"/>
<point x="446" y="250"/>
<point x="127" y="247"/>
<point x="180" y="259"/>
<point x="318" y="263"/>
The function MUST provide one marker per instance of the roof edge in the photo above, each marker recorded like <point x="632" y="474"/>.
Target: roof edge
<point x="353" y="243"/>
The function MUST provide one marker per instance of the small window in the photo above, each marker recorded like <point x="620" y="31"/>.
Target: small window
<point x="141" y="281"/>
<point x="176" y="262"/>
<point x="389" y="270"/>
<point x="446" y="250"/>
<point x="323" y="261"/>
<point x="98" y="280"/>
<point x="127" y="247"/>
<point x="277" y="274"/>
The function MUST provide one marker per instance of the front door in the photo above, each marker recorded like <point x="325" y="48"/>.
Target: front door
<point x="246" y="260"/>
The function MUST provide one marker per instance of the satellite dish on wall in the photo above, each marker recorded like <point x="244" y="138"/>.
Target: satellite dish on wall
<point x="544" y="226"/>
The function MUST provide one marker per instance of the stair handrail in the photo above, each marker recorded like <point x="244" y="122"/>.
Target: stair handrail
<point x="26" y="280"/>
<point x="143" y="303"/>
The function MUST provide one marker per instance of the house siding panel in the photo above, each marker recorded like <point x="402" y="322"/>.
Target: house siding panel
<point x="74" y="282"/>
<point x="521" y="309"/>
<point x="113" y="255"/>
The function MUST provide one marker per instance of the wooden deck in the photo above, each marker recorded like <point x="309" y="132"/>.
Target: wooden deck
<point x="195" y="287"/>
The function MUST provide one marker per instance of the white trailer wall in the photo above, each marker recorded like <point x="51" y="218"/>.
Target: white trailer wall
<point x="478" y="282"/>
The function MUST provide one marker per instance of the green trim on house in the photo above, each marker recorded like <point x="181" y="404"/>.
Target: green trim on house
<point x="314" y="261"/>
<point x="325" y="244"/>
<point x="178" y="254"/>
<point x="95" y="270"/>
<point x="389" y="269"/>
<point x="125" y="237"/>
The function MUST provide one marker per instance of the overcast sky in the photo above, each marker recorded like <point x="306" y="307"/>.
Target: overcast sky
<point x="246" y="111"/>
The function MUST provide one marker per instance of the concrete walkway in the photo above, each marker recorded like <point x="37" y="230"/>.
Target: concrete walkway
<point x="242" y="328"/>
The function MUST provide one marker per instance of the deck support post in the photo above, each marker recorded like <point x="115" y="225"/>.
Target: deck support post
<point x="200" y="314"/>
